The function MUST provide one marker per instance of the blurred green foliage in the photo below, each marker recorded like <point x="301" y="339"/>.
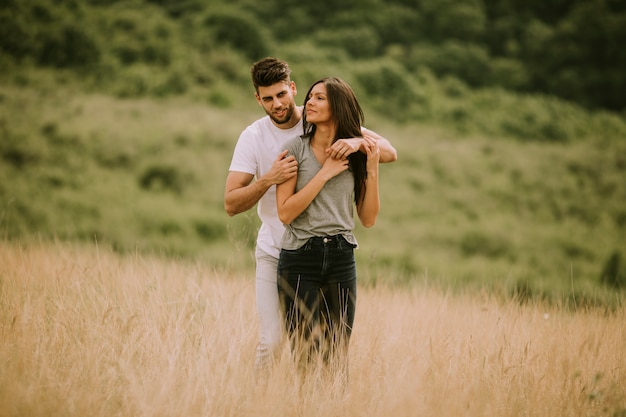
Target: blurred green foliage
<point x="569" y="49"/>
<point x="118" y="119"/>
<point x="532" y="218"/>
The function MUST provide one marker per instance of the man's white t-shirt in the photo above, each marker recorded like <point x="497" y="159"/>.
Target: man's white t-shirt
<point x="256" y="150"/>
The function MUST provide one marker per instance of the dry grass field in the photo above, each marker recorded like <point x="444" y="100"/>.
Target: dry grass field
<point x="86" y="332"/>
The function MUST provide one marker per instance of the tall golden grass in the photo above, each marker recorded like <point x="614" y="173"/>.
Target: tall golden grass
<point x="86" y="332"/>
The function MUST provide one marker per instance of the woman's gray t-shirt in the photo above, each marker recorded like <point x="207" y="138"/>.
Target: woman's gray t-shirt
<point x="331" y="212"/>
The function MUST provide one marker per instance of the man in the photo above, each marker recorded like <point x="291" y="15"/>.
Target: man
<point x="259" y="154"/>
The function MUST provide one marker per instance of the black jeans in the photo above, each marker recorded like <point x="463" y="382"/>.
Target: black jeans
<point x="317" y="291"/>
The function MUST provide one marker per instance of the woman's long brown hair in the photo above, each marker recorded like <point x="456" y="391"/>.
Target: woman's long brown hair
<point x="348" y="117"/>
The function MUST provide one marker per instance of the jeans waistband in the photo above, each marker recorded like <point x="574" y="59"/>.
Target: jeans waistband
<point x="336" y="241"/>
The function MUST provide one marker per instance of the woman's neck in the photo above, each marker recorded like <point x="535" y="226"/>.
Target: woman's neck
<point x="324" y="136"/>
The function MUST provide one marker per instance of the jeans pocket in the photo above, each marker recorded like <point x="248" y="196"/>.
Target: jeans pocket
<point x="344" y="246"/>
<point x="299" y="251"/>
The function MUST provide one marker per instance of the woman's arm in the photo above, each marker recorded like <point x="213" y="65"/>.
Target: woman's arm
<point x="291" y="204"/>
<point x="369" y="206"/>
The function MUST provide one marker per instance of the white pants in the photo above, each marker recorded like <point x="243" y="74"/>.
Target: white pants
<point x="268" y="309"/>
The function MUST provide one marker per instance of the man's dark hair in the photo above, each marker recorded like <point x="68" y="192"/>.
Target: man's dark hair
<point x="269" y="71"/>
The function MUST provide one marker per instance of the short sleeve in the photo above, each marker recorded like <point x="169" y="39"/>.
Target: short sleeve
<point x="294" y="147"/>
<point x="245" y="154"/>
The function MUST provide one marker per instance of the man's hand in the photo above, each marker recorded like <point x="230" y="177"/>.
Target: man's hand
<point x="283" y="168"/>
<point x="242" y="193"/>
<point x="344" y="147"/>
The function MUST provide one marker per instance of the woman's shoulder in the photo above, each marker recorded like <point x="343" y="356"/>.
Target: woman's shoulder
<point x="297" y="142"/>
<point x="301" y="139"/>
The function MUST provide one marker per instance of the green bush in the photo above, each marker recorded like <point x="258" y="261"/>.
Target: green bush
<point x="161" y="177"/>
<point x="389" y="88"/>
<point x="537" y="118"/>
<point x="466" y="61"/>
<point x="480" y="243"/>
<point x="509" y="74"/>
<point x="174" y="83"/>
<point x="614" y="272"/>
<point x="240" y="30"/>
<point x="18" y="149"/>
<point x="358" y="42"/>
<point x="454" y="19"/>
<point x="67" y="46"/>
<point x="140" y="35"/>
<point x="17" y="34"/>
<point x="134" y="81"/>
<point x="210" y="230"/>
<point x="177" y="8"/>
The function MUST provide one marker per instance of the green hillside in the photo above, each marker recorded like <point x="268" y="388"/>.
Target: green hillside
<point x="118" y="120"/>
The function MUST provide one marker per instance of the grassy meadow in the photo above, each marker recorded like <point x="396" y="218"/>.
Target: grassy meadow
<point x="87" y="331"/>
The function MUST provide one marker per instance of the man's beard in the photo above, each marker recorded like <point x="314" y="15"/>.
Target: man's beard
<point x="285" y="119"/>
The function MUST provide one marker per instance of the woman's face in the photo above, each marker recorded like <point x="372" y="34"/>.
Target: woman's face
<point x="317" y="106"/>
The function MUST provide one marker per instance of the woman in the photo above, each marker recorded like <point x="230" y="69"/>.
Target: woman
<point x="316" y="268"/>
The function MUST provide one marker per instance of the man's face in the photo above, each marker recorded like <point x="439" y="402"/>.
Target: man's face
<point x="278" y="101"/>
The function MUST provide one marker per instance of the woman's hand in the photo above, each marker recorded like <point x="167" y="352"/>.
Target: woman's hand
<point x="333" y="167"/>
<point x="369" y="206"/>
<point x="373" y="155"/>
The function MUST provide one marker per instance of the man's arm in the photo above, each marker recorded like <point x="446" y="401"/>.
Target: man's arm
<point x="242" y="193"/>
<point x="344" y="147"/>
